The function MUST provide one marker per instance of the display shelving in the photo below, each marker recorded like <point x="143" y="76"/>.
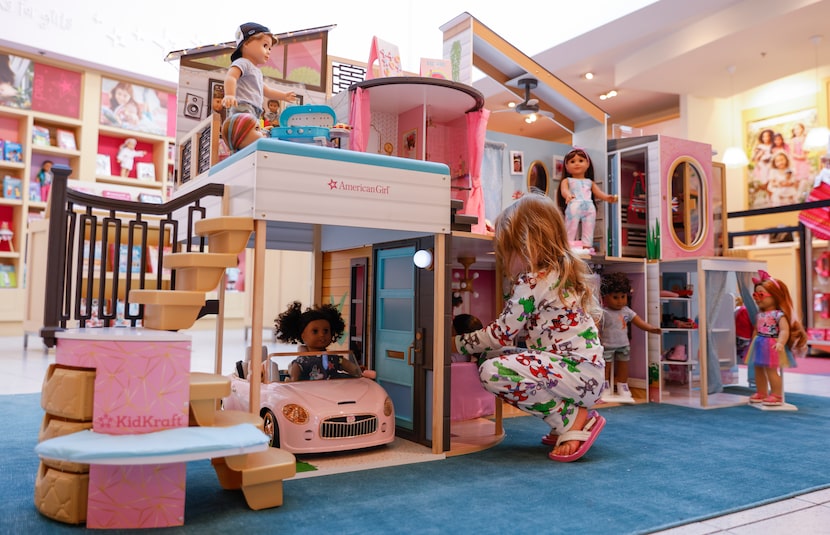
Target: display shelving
<point x="62" y="123"/>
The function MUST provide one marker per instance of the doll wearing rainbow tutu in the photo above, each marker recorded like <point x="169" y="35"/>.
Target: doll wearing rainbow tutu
<point x="779" y="337"/>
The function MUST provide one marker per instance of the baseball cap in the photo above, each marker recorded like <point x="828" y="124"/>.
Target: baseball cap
<point x="246" y="31"/>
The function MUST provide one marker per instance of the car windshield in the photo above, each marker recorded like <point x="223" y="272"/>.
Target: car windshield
<point x="313" y="366"/>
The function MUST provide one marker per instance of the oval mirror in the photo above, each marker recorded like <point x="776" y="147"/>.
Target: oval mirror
<point x="687" y="190"/>
<point x="537" y="176"/>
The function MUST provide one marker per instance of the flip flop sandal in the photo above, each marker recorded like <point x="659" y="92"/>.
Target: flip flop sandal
<point x="551" y="438"/>
<point x="756" y="398"/>
<point x="587" y="436"/>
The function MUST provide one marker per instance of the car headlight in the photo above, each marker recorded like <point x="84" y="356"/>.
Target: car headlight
<point x="295" y="413"/>
<point x="388" y="408"/>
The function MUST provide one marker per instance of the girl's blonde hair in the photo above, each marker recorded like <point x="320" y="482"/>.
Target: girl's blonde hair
<point x="779" y="291"/>
<point x="530" y="236"/>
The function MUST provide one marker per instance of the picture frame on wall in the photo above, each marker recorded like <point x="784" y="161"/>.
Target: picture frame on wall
<point x="558" y="168"/>
<point x="216" y="92"/>
<point x="409" y="144"/>
<point x="769" y="133"/>
<point x="517" y="162"/>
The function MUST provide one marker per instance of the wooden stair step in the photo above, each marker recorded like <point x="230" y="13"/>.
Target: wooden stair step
<point x="206" y="389"/>
<point x="227" y="418"/>
<point x="225" y="234"/>
<point x="169" y="310"/>
<point x="199" y="272"/>
<point x="259" y="475"/>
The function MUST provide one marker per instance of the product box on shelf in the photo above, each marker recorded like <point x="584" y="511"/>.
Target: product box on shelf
<point x="13" y="152"/>
<point x="12" y="188"/>
<point x="8" y="277"/>
<point x="818" y="335"/>
<point x="34" y="192"/>
<point x="40" y="136"/>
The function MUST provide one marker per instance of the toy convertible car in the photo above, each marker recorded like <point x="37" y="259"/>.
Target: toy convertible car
<point x="341" y="410"/>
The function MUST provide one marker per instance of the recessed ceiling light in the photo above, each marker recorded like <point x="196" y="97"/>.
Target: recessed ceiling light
<point x="588" y="75"/>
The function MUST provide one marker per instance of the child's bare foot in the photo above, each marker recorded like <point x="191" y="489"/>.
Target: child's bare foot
<point x="570" y="447"/>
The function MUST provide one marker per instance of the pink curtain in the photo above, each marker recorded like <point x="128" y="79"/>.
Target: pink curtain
<point x="476" y="132"/>
<point x="360" y="118"/>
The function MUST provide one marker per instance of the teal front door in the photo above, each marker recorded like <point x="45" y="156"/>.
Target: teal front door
<point x="394" y="340"/>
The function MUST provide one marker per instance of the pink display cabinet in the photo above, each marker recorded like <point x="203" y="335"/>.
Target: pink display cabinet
<point x="669" y="198"/>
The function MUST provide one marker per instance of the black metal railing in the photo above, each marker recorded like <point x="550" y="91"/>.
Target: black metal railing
<point x="99" y="249"/>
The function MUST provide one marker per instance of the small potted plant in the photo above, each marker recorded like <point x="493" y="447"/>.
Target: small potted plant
<point x="654" y="382"/>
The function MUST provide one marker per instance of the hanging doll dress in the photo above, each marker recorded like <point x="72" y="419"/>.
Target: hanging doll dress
<point x="762" y="348"/>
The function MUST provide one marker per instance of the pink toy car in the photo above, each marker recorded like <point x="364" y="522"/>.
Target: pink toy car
<point x="344" y="411"/>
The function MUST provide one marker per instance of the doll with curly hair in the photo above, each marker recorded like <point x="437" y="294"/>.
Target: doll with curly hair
<point x="613" y="331"/>
<point x="315" y="329"/>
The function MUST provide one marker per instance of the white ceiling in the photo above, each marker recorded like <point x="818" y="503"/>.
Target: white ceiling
<point x="675" y="47"/>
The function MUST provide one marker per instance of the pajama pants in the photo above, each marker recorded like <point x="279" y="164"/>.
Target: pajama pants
<point x="584" y="212"/>
<point x="545" y="385"/>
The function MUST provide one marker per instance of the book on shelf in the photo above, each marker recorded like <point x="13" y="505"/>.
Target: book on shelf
<point x="13" y="151"/>
<point x="40" y="136"/>
<point x="124" y="258"/>
<point x="12" y="188"/>
<point x="8" y="276"/>
<point x="66" y="139"/>
<point x="34" y="192"/>
<point x="145" y="171"/>
<point x="96" y="255"/>
<point x="103" y="166"/>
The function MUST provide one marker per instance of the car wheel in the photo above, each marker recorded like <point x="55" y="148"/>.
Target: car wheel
<point x="270" y="427"/>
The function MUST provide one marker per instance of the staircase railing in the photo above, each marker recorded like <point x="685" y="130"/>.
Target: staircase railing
<point x="99" y="249"/>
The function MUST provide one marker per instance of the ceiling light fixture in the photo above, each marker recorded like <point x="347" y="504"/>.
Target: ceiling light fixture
<point x="733" y="156"/>
<point x="819" y="136"/>
<point x="588" y="75"/>
<point x="531" y="118"/>
<point x="610" y="94"/>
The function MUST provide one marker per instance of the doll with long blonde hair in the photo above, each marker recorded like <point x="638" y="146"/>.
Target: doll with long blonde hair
<point x="552" y="308"/>
<point x="778" y="337"/>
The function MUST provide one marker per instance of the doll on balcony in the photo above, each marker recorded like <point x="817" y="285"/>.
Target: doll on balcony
<point x="578" y="191"/>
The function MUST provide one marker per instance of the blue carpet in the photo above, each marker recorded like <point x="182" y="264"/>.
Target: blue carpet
<point x="653" y="467"/>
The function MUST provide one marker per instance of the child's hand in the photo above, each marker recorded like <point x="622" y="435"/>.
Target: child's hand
<point x="779" y="347"/>
<point x="229" y="101"/>
<point x="290" y="96"/>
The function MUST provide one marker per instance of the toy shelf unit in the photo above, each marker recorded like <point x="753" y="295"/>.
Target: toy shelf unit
<point x="150" y="169"/>
<point x="678" y="319"/>
<point x="817" y="282"/>
<point x="697" y="316"/>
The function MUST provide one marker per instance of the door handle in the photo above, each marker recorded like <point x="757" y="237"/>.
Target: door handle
<point x="415" y="347"/>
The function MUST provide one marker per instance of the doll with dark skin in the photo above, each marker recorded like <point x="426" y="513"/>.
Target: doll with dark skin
<point x="613" y="333"/>
<point x="315" y="328"/>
